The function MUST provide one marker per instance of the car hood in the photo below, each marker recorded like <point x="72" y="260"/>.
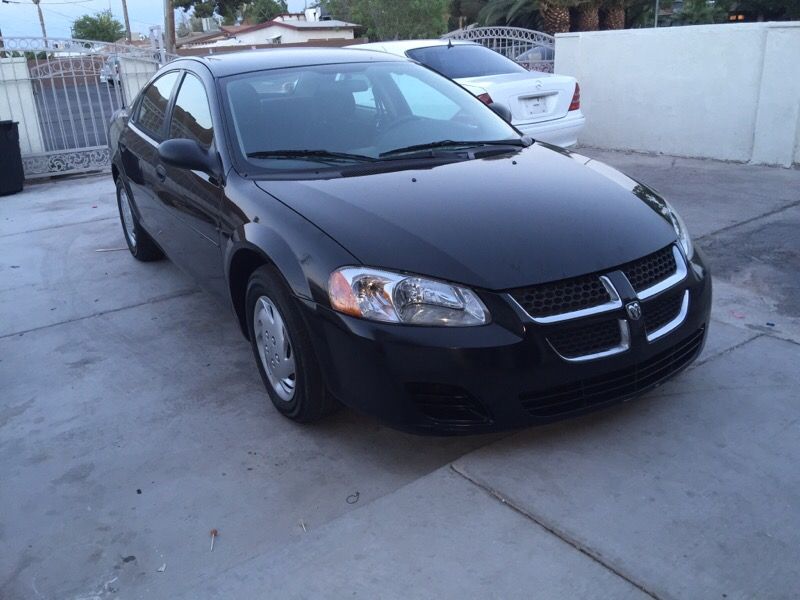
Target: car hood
<point x="537" y="215"/>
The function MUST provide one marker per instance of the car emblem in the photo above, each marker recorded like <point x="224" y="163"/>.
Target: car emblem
<point x="634" y="310"/>
<point x="538" y="85"/>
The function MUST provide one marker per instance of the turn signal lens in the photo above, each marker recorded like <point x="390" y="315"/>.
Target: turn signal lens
<point x="341" y="295"/>
<point x="397" y="298"/>
<point x="485" y="98"/>
<point x="576" y="98"/>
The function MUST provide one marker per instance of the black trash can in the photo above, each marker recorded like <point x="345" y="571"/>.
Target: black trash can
<point x="11" y="174"/>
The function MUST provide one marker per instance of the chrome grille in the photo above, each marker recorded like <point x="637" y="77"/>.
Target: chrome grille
<point x="650" y="270"/>
<point x="661" y="310"/>
<point x="574" y="342"/>
<point x="560" y="297"/>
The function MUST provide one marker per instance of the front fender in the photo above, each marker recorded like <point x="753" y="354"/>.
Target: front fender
<point x="266" y="231"/>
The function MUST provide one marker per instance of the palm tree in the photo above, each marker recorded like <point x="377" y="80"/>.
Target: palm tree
<point x="553" y="15"/>
<point x="520" y="13"/>
<point x="588" y="16"/>
<point x="613" y="14"/>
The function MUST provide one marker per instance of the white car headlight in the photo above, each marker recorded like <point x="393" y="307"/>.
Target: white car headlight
<point x="681" y="231"/>
<point x="399" y="298"/>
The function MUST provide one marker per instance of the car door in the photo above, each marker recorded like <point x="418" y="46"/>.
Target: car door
<point x="193" y="198"/>
<point x="138" y="146"/>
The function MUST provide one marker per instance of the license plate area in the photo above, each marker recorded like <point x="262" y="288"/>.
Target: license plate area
<point x="533" y="107"/>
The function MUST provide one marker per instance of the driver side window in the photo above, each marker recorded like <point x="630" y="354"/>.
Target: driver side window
<point x="191" y="116"/>
<point x="153" y="106"/>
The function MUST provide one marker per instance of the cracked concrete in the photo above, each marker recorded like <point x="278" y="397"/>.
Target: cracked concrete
<point x="132" y="421"/>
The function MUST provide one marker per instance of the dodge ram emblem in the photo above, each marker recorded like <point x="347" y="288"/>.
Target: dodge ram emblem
<point x="634" y="310"/>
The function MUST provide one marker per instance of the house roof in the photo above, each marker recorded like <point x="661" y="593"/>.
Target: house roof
<point x="291" y="23"/>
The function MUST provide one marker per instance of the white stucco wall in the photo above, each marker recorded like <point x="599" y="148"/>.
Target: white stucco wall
<point x="17" y="103"/>
<point x="134" y="73"/>
<point x="729" y="92"/>
<point x="292" y="36"/>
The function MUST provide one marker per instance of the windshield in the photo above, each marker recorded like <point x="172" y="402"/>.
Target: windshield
<point x="465" y="60"/>
<point x="300" y="118"/>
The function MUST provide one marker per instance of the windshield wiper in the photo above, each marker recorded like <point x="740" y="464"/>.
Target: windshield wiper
<point x="311" y="154"/>
<point x="453" y="144"/>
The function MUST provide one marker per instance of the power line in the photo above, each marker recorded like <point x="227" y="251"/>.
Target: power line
<point x="45" y="3"/>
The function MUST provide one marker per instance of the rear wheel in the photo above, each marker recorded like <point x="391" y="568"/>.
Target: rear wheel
<point x="139" y="242"/>
<point x="282" y="349"/>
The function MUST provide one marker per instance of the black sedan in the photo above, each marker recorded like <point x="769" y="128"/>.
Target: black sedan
<point x="389" y="242"/>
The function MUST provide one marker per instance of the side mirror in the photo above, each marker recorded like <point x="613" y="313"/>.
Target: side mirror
<point x="502" y="110"/>
<point x="188" y="154"/>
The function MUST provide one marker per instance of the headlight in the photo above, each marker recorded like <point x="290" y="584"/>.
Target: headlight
<point x="681" y="231"/>
<point x="396" y="298"/>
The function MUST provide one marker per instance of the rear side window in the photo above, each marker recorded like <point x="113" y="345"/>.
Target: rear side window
<point x="465" y="60"/>
<point x="191" y="117"/>
<point x="153" y="106"/>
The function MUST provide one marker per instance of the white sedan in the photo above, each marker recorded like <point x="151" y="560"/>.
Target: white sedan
<point x="544" y="106"/>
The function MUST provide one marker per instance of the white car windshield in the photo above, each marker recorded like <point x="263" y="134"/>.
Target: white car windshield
<point x="293" y="118"/>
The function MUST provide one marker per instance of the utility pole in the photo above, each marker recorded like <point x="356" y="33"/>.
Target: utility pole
<point x="41" y="20"/>
<point x="127" y="22"/>
<point x="655" y="22"/>
<point x="169" y="21"/>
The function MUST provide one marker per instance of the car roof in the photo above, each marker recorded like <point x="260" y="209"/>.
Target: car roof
<point x="403" y="46"/>
<point x="223" y="65"/>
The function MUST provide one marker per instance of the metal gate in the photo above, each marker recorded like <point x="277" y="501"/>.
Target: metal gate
<point x="534" y="50"/>
<point x="63" y="93"/>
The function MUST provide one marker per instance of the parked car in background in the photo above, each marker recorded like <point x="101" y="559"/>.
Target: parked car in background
<point x="544" y="106"/>
<point x="387" y="241"/>
<point x="109" y="73"/>
<point x="536" y="58"/>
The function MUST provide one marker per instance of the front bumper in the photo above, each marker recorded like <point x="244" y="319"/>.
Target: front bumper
<point x="499" y="376"/>
<point x="559" y="132"/>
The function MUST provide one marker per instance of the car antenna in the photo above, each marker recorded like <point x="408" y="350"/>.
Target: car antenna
<point x="449" y="42"/>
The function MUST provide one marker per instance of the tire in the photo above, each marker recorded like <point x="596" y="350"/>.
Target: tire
<point x="139" y="242"/>
<point x="294" y="382"/>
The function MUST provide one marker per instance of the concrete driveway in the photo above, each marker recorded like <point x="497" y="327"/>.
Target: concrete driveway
<point x="133" y="421"/>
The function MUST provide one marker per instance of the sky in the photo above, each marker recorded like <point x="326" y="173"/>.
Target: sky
<point x="20" y="18"/>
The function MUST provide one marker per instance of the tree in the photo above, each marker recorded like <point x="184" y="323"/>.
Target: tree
<point x="700" y="12"/>
<point x="464" y="12"/>
<point x="613" y="14"/>
<point x="551" y="16"/>
<point x="260" y="11"/>
<point x="517" y="13"/>
<point x="391" y="19"/>
<point x="588" y="16"/>
<point x="101" y="26"/>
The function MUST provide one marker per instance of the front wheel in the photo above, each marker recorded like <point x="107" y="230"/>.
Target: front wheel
<point x="283" y="351"/>
<point x="139" y="242"/>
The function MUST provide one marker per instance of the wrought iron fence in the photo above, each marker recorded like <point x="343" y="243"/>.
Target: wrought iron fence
<point x="533" y="50"/>
<point x="63" y="93"/>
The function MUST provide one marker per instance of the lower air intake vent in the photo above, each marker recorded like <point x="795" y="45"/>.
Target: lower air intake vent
<point x="615" y="386"/>
<point x="586" y="339"/>
<point x="661" y="310"/>
<point x="447" y="404"/>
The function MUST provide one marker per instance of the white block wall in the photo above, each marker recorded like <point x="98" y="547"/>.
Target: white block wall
<point x="729" y="92"/>
<point x="17" y="103"/>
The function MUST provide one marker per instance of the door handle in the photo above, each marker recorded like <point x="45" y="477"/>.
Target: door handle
<point x="161" y="172"/>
